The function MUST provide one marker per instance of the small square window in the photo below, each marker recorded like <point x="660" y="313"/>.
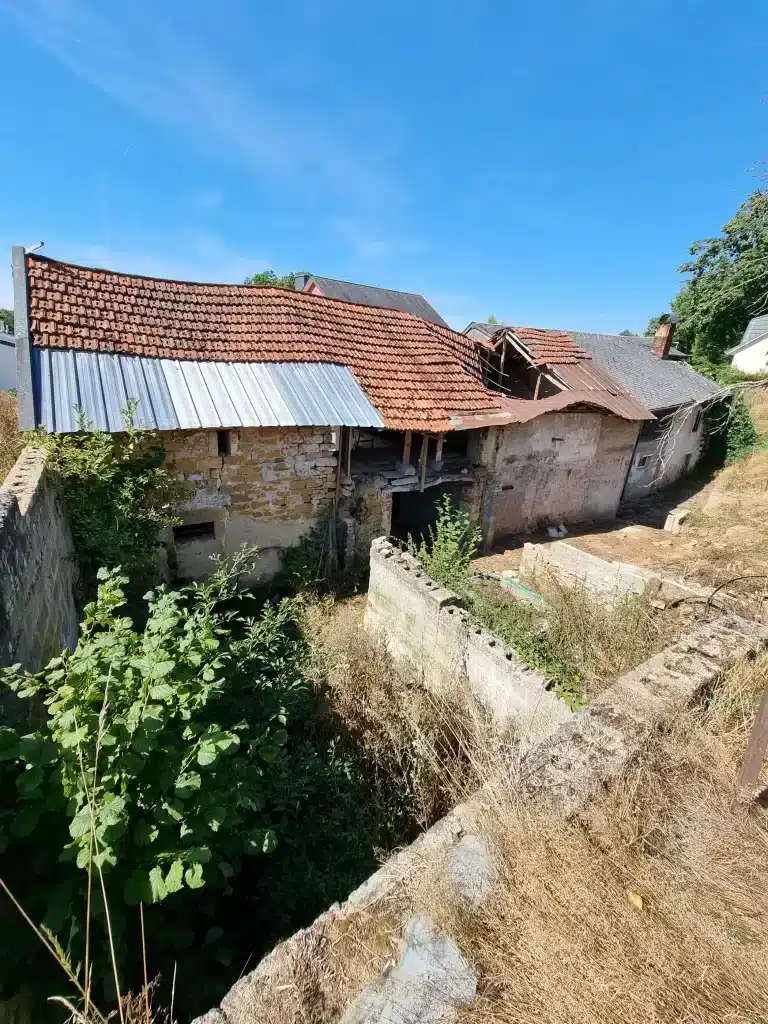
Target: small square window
<point x="194" y="531"/>
<point x="224" y="442"/>
<point x="643" y="461"/>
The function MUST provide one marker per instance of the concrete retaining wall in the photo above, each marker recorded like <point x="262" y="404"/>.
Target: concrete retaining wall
<point x="38" y="617"/>
<point x="614" y="581"/>
<point x="425" y="624"/>
<point x="406" y="971"/>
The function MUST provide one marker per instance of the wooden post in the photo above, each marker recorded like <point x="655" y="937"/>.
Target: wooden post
<point x="503" y="360"/>
<point x="349" y="452"/>
<point x="424" y="457"/>
<point x="538" y="385"/>
<point x="439" y="451"/>
<point x="756" y="749"/>
<point x="407" y="447"/>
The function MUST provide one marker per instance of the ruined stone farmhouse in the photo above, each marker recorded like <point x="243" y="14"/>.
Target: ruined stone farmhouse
<point x="276" y="406"/>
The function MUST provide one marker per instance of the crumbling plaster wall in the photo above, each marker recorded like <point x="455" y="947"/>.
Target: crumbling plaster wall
<point x="660" y="460"/>
<point x="38" y="571"/>
<point x="270" y="491"/>
<point x="561" y="467"/>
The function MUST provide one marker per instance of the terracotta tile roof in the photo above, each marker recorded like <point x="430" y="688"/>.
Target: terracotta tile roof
<point x="546" y="347"/>
<point x="419" y="375"/>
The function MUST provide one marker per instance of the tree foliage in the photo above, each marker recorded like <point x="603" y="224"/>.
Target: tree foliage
<point x="6" y="320"/>
<point x="269" y="277"/>
<point x="447" y="551"/>
<point x="727" y="284"/>
<point x="626" y="333"/>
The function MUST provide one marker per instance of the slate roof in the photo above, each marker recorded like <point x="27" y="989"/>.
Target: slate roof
<point x="367" y="295"/>
<point x="657" y="383"/>
<point x="418" y="375"/>
<point x="757" y="328"/>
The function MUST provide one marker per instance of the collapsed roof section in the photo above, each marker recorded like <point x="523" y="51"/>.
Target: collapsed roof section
<point x="417" y="374"/>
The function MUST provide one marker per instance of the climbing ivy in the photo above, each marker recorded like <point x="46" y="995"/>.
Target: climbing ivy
<point x="119" y="495"/>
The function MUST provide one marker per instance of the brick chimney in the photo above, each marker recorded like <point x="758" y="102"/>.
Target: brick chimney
<point x="662" y="340"/>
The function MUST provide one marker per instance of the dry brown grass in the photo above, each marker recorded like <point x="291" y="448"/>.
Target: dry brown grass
<point x="10" y="438"/>
<point x="422" y="742"/>
<point x="652" y="907"/>
<point x="731" y="531"/>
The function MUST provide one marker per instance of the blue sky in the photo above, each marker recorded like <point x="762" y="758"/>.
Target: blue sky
<point x="549" y="162"/>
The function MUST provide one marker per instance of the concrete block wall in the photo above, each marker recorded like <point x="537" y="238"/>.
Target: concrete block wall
<point x="38" y="571"/>
<point x="426" y="625"/>
<point x="613" y="581"/>
<point x="415" y="973"/>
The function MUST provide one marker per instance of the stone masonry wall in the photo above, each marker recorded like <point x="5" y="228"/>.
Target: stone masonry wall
<point x="270" y="491"/>
<point x="406" y="970"/>
<point x="38" y="616"/>
<point x="425" y="624"/>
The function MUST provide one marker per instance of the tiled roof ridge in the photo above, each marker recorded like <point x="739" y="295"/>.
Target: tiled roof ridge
<point x="270" y="289"/>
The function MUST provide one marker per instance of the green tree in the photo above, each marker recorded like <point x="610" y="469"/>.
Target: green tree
<point x="626" y="333"/>
<point x="491" y="319"/>
<point x="727" y="284"/>
<point x="6" y="319"/>
<point x="269" y="277"/>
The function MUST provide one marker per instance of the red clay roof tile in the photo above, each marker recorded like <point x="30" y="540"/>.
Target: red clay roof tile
<point x="419" y="375"/>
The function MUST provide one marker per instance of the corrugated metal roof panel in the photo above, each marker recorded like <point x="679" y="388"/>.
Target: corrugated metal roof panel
<point x="189" y="395"/>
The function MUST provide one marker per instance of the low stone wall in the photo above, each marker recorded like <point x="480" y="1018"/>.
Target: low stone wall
<point x="425" y="624"/>
<point x="614" y="581"/>
<point x="38" y="617"/>
<point x="409" y="972"/>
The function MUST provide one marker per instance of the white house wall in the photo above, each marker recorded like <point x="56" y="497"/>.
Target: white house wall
<point x="753" y="359"/>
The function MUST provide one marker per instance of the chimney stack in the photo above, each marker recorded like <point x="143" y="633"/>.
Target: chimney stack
<point x="662" y="340"/>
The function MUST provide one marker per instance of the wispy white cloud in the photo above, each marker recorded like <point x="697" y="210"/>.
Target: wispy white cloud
<point x="369" y="244"/>
<point x="136" y="54"/>
<point x="192" y="256"/>
<point x="205" y="200"/>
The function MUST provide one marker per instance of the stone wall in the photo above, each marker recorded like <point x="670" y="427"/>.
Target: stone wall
<point x="405" y="970"/>
<point x="562" y="467"/>
<point x="38" y="617"/>
<point x="425" y="624"/>
<point x="271" y="489"/>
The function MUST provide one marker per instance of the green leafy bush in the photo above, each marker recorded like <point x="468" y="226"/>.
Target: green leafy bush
<point x="157" y="748"/>
<point x="192" y="766"/>
<point x="449" y="548"/>
<point x="119" y="496"/>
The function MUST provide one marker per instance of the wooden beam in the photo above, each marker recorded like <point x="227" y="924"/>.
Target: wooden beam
<point x="538" y="385"/>
<point x="349" y="451"/>
<point x="407" y="447"/>
<point x="424" y="457"/>
<point x="439" y="451"/>
<point x="756" y="749"/>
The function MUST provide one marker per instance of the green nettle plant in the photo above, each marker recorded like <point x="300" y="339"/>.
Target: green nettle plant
<point x="119" y="495"/>
<point x="449" y="548"/>
<point x="150" y="772"/>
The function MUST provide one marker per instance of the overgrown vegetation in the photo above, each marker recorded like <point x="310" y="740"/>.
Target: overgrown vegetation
<point x="194" y="768"/>
<point x="11" y="441"/>
<point x="651" y="905"/>
<point x="119" y="495"/>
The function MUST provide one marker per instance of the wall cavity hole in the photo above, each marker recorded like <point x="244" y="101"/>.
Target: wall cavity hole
<point x="478" y="632"/>
<point x="491" y="643"/>
<point x="509" y="655"/>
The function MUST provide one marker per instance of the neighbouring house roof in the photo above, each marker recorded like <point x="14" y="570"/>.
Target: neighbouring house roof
<point x="757" y="328"/>
<point x="93" y="331"/>
<point x="367" y="295"/>
<point x="657" y="383"/>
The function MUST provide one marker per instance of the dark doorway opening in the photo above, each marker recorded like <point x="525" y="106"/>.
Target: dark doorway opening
<point x="413" y="512"/>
